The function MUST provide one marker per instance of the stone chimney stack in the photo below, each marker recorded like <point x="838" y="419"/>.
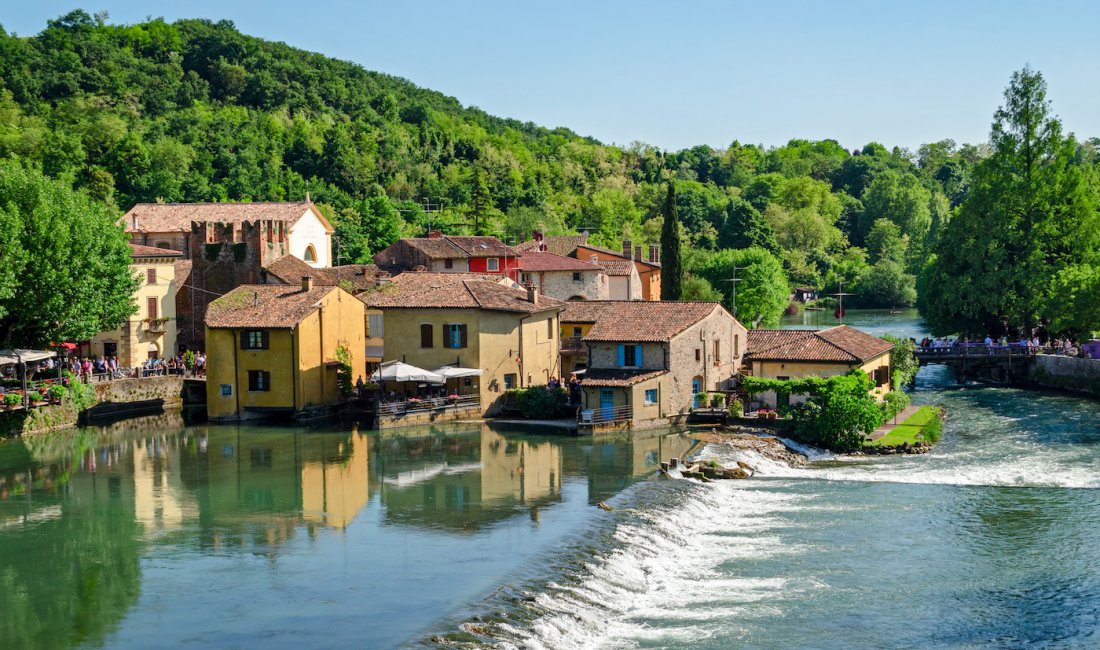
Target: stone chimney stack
<point x="435" y="234"/>
<point x="307" y="282"/>
<point x="627" y="249"/>
<point x="532" y="293"/>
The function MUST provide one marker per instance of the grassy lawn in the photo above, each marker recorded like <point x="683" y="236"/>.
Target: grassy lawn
<point x="925" y="423"/>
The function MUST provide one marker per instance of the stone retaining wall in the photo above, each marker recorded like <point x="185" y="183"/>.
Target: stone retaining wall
<point x="1066" y="373"/>
<point x="119" y="398"/>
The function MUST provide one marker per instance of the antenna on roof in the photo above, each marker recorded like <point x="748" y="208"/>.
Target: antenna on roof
<point x="839" y="313"/>
<point x="733" y="280"/>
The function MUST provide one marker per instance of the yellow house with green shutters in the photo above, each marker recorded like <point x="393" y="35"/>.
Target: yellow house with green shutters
<point x="273" y="349"/>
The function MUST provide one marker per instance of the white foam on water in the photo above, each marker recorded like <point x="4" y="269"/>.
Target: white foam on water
<point x="667" y="566"/>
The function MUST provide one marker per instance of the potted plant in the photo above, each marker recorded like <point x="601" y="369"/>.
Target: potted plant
<point x="35" y="397"/>
<point x="717" y="401"/>
<point x="11" y="400"/>
<point x="56" y="393"/>
<point x="700" y="400"/>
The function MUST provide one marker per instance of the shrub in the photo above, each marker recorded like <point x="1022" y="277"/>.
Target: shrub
<point x="717" y="400"/>
<point x="736" y="408"/>
<point x="56" y="392"/>
<point x="893" y="403"/>
<point x="539" y="402"/>
<point x="12" y="399"/>
<point x="931" y="431"/>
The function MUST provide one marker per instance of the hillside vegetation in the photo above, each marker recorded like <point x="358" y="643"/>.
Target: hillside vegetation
<point x="196" y="111"/>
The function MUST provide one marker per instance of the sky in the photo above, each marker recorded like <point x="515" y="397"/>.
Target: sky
<point x="680" y="74"/>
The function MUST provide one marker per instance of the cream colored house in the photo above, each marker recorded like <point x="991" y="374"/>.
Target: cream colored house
<point x="470" y="321"/>
<point x="307" y="232"/>
<point x="648" y="359"/>
<point x="797" y="354"/>
<point x="151" y="332"/>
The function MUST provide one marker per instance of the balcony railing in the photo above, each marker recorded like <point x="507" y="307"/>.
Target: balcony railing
<point x="155" y="325"/>
<point x="429" y="404"/>
<point x="605" y="414"/>
<point x="572" y="344"/>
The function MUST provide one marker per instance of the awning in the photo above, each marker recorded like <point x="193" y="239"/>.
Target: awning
<point x="452" y="372"/>
<point x="400" y="371"/>
<point x="28" y="356"/>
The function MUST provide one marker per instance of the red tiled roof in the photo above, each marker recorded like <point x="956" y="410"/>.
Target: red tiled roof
<point x="538" y="261"/>
<point x="290" y="270"/>
<point x="453" y="291"/>
<point x="617" y="268"/>
<point x="177" y="217"/>
<point x="557" y="244"/>
<point x="137" y="250"/>
<point x="265" y="305"/>
<point x="607" y="251"/>
<point x="636" y="320"/>
<point x="841" y="344"/>
<point x="618" y="377"/>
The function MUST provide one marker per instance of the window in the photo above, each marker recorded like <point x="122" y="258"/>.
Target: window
<point x="651" y="397"/>
<point x="254" y="340"/>
<point x="630" y="356"/>
<point x="374" y="325"/>
<point x="259" y="381"/>
<point x="717" y="352"/>
<point x="448" y="264"/>
<point x="151" y="307"/>
<point x="576" y="276"/>
<point x="454" y="335"/>
<point x="549" y="329"/>
<point x="492" y="264"/>
<point x="165" y="245"/>
<point x="426" y="335"/>
<point x="577" y="331"/>
<point x="736" y="347"/>
<point x="311" y="254"/>
<point x="150" y="276"/>
<point x="698" y="354"/>
<point x="509" y="381"/>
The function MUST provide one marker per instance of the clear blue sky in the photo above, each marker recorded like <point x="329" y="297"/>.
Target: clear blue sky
<point x="677" y="74"/>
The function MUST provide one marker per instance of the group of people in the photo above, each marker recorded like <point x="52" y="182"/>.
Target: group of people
<point x="1032" y="345"/>
<point x="572" y="387"/>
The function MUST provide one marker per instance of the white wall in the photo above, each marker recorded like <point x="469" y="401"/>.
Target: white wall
<point x="310" y="230"/>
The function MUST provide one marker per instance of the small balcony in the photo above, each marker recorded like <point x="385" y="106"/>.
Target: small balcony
<point x="572" y="344"/>
<point x="156" y="325"/>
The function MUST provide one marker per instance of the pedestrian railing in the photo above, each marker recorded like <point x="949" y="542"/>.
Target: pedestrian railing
<point x="429" y="404"/>
<point x="605" y="414"/>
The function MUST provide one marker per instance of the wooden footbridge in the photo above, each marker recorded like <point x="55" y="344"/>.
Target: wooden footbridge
<point x="993" y="363"/>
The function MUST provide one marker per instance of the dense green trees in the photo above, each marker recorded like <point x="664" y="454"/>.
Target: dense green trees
<point x="196" y="111"/>
<point x="1026" y="240"/>
<point x="64" y="262"/>
<point x="762" y="293"/>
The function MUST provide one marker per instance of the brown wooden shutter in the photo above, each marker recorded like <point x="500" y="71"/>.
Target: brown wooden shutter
<point x="426" y="335"/>
<point x="266" y="339"/>
<point x="150" y="276"/>
<point x="462" y="336"/>
<point x="151" y="306"/>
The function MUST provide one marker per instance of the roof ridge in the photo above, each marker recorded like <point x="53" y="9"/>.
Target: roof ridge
<point x="806" y="333"/>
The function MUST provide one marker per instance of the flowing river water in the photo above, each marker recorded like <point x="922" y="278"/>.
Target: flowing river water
<point x="162" y="534"/>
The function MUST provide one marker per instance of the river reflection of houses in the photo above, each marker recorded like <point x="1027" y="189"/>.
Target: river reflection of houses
<point x="611" y="463"/>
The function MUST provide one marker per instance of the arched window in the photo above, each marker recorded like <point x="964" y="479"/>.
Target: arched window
<point x="311" y="253"/>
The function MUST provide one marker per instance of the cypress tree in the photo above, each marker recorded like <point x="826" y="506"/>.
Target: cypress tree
<point x="672" y="271"/>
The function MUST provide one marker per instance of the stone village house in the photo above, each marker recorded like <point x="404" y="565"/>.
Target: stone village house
<point x="648" y="360"/>
<point x="471" y="321"/>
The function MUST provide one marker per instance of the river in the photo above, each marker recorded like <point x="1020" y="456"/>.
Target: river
<point x="157" y="533"/>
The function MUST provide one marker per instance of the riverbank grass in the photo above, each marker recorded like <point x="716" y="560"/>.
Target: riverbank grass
<point x="922" y="427"/>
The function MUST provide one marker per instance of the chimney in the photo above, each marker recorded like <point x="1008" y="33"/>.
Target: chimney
<point x="654" y="254"/>
<point x="537" y="235"/>
<point x="435" y="234"/>
<point x="307" y="282"/>
<point x="626" y="248"/>
<point x="381" y="281"/>
<point x="638" y="252"/>
<point x="255" y="298"/>
<point x="532" y="293"/>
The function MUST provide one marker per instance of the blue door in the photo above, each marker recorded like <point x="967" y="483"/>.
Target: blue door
<point x="696" y="386"/>
<point x="607" y="403"/>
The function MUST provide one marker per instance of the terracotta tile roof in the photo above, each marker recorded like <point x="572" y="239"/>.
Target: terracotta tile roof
<point x="837" y="344"/>
<point x="636" y="320"/>
<point x="453" y="291"/>
<point x="265" y="305"/>
<point x="436" y="248"/>
<point x="538" y="261"/>
<point x="557" y="244"/>
<point x="617" y="268"/>
<point x="481" y="246"/>
<point x="290" y="270"/>
<point x="137" y="250"/>
<point x="183" y="272"/>
<point x="618" y="376"/>
<point x="177" y="217"/>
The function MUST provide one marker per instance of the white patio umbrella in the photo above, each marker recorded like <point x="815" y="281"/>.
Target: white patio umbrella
<point x="453" y="372"/>
<point x="400" y="371"/>
<point x="28" y="356"/>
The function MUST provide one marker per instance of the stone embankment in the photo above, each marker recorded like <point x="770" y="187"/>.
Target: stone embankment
<point x="1065" y="373"/>
<point x="765" y="446"/>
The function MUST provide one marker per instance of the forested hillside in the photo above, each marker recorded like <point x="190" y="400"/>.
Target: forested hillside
<point x="196" y="111"/>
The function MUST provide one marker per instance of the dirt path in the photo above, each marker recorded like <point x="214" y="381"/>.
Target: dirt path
<point x="888" y="426"/>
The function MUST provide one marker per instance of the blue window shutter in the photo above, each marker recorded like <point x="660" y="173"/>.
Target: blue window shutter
<point x="622" y="356"/>
<point x="638" y="355"/>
